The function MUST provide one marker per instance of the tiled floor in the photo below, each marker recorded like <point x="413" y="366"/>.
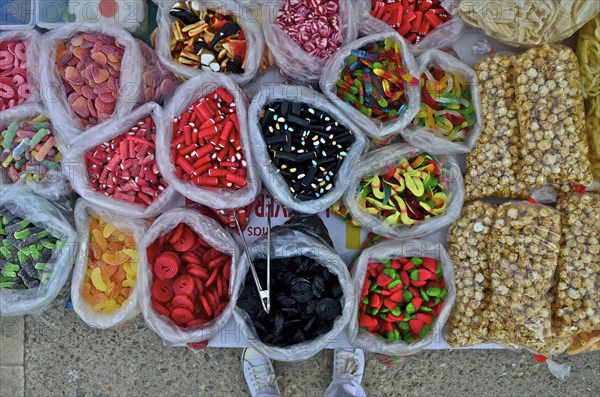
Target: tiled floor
<point x="12" y="380"/>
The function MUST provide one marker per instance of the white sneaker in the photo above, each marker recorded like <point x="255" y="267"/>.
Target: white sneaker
<point x="349" y="361"/>
<point x="259" y="373"/>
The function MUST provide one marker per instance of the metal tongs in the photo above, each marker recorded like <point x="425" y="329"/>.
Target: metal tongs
<point x="264" y="294"/>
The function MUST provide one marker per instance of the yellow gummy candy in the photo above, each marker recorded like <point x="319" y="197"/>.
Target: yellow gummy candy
<point x="106" y="303"/>
<point x="111" y="308"/>
<point x="97" y="280"/>
<point x="108" y="230"/>
<point x="99" y="239"/>
<point x="128" y="283"/>
<point x="129" y="270"/>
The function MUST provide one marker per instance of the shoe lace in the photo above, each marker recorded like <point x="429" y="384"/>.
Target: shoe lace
<point x="262" y="376"/>
<point x="347" y="362"/>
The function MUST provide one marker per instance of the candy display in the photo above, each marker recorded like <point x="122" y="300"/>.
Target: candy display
<point x="305" y="301"/>
<point x="553" y="140"/>
<point x="125" y="167"/>
<point x="26" y="250"/>
<point x="111" y="272"/>
<point x="468" y="246"/>
<point x="519" y="23"/>
<point x="374" y="80"/>
<point x="207" y="39"/>
<point x="157" y="81"/>
<point x="14" y="85"/>
<point x="90" y="67"/>
<point x="522" y="262"/>
<point x="576" y="306"/>
<point x="491" y="165"/>
<point x="206" y="146"/>
<point x="29" y="149"/>
<point x="306" y="145"/>
<point x="412" y="20"/>
<point x="190" y="279"/>
<point x="408" y="193"/>
<point x="313" y="25"/>
<point x="406" y="293"/>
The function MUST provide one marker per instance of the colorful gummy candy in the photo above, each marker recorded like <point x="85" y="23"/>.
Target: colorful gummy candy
<point x="412" y="19"/>
<point x="125" y="167"/>
<point x="25" y="250"/>
<point x="312" y="24"/>
<point x="401" y="298"/>
<point x="446" y="104"/>
<point x="29" y="149"/>
<point x="373" y="80"/>
<point x="409" y="192"/>
<point x="207" y="39"/>
<point x="112" y="267"/>
<point x="190" y="279"/>
<point x="305" y="300"/>
<point x="206" y="146"/>
<point x="14" y="87"/>
<point x="306" y="145"/>
<point x="90" y="67"/>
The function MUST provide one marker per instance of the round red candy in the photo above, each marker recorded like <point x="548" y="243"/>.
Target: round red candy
<point x="166" y="265"/>
<point x="183" y="285"/>
<point x="160" y="309"/>
<point x="181" y="316"/>
<point x="183" y="302"/>
<point x="186" y="241"/>
<point x="162" y="290"/>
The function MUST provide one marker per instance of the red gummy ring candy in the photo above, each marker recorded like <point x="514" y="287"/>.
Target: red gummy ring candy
<point x="199" y="286"/>
<point x="162" y="290"/>
<point x="197" y="271"/>
<point x="198" y="321"/>
<point x="186" y="241"/>
<point x="166" y="265"/>
<point x="176" y="233"/>
<point x="190" y="257"/>
<point x="160" y="309"/>
<point x="183" y="285"/>
<point x="183" y="302"/>
<point x="213" y="298"/>
<point x="206" y="306"/>
<point x="227" y="270"/>
<point x="213" y="277"/>
<point x="181" y="316"/>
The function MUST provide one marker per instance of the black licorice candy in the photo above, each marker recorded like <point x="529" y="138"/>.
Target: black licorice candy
<point x="306" y="145"/>
<point x="305" y="301"/>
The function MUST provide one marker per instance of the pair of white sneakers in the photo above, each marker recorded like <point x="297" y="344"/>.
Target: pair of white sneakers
<point x="260" y="374"/>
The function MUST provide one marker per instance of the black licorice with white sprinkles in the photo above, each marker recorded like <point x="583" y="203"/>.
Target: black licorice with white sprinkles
<point x="306" y="145"/>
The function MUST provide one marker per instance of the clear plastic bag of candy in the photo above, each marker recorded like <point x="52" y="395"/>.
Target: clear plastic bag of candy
<point x="200" y="185"/>
<point x="391" y="97"/>
<point x="214" y="235"/>
<point x="192" y="54"/>
<point x="417" y="310"/>
<point x="528" y="23"/>
<point x="449" y="120"/>
<point x="299" y="97"/>
<point x="32" y="278"/>
<point x="19" y="68"/>
<point x="112" y="70"/>
<point x="441" y="35"/>
<point x="90" y="162"/>
<point x="401" y="192"/>
<point x="289" y="242"/>
<point x="576" y="307"/>
<point x="304" y="56"/>
<point x="30" y="151"/>
<point x="91" y="289"/>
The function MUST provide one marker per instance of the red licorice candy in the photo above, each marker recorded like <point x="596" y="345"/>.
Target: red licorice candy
<point x="190" y="279"/>
<point x="125" y="168"/>
<point x="206" y="147"/>
<point x="14" y="88"/>
<point x="412" y="19"/>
